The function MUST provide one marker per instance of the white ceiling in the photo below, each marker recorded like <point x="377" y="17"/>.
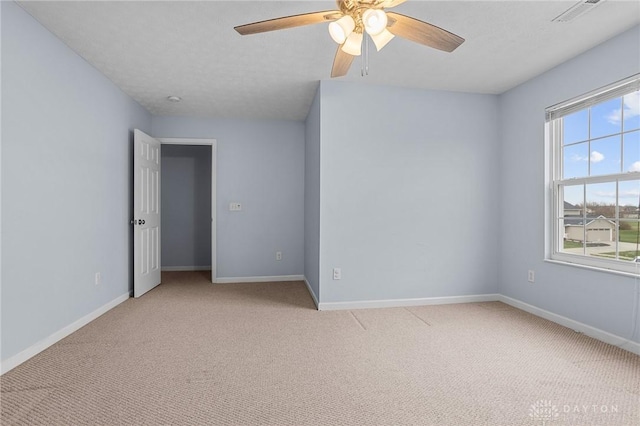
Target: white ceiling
<point x="155" y="49"/>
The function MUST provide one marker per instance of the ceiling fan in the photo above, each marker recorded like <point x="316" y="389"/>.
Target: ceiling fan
<point x="353" y="19"/>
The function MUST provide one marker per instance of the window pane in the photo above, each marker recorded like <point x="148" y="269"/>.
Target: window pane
<point x="632" y="111"/>
<point x="631" y="152"/>
<point x="601" y="200"/>
<point x="605" y="156"/>
<point x="601" y="238"/>
<point x="600" y="227"/>
<point x="573" y="200"/>
<point x="606" y="118"/>
<point x="572" y="222"/>
<point x="628" y="240"/>
<point x="576" y="160"/>
<point x="573" y="238"/>
<point x="576" y="127"/>
<point x="629" y="199"/>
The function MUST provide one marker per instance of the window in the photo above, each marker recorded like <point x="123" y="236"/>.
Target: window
<point x="594" y="147"/>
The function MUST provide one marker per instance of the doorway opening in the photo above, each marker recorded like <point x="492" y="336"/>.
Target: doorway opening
<point x="188" y="202"/>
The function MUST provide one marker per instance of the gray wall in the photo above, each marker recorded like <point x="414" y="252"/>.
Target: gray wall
<point x="602" y="300"/>
<point x="312" y="197"/>
<point x="260" y="165"/>
<point x="186" y="206"/>
<point x="66" y="184"/>
<point x="409" y="193"/>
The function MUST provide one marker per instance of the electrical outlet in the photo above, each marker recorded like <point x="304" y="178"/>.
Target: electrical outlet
<point x="337" y="273"/>
<point x="98" y="279"/>
<point x="235" y="207"/>
<point x="531" y="276"/>
<point x="278" y="255"/>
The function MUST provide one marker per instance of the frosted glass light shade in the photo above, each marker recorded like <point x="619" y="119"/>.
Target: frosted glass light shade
<point x="375" y="21"/>
<point x="353" y="44"/>
<point x="381" y="40"/>
<point x="341" y="29"/>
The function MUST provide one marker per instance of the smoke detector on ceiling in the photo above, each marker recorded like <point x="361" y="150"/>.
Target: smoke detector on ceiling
<point x="576" y="10"/>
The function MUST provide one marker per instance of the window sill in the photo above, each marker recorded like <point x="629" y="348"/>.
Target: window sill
<point x="594" y="268"/>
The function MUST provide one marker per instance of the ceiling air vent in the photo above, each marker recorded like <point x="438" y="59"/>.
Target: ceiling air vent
<point x="577" y="9"/>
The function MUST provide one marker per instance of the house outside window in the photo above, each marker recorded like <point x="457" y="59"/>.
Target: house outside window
<point x="593" y="143"/>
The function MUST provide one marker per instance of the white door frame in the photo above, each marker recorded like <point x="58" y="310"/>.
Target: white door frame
<point x="214" y="145"/>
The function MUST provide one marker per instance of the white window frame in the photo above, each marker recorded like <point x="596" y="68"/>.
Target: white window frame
<point x="555" y="197"/>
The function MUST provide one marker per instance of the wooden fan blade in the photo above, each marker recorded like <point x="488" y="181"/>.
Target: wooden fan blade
<point x="288" y="22"/>
<point x="390" y="3"/>
<point x="422" y="32"/>
<point x="341" y="63"/>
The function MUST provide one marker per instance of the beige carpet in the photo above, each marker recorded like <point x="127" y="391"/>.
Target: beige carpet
<point x="193" y="353"/>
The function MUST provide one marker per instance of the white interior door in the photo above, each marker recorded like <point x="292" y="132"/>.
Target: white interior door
<point x="146" y="208"/>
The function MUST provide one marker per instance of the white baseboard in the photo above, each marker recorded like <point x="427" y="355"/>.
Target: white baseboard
<point x="185" y="268"/>
<point x="590" y="331"/>
<point x="396" y="303"/>
<point x="274" y="278"/>
<point x="19" y="358"/>
<point x="313" y="295"/>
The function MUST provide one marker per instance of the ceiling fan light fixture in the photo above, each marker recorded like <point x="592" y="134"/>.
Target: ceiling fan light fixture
<point x="353" y="44"/>
<point x="341" y="29"/>
<point x="353" y="20"/>
<point x="381" y="40"/>
<point x="375" y="21"/>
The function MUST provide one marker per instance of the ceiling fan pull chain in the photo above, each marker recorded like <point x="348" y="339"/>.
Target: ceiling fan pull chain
<point x="366" y="59"/>
<point x="362" y="57"/>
